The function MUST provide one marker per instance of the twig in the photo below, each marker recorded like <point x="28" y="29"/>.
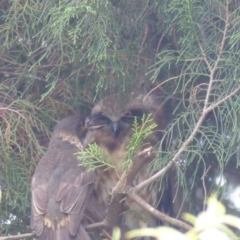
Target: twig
<point x="204" y="188"/>
<point x="12" y="110"/>
<point x="95" y="225"/>
<point x="25" y="235"/>
<point x="127" y="175"/>
<point x="153" y="178"/>
<point x="165" y="81"/>
<point x="107" y="235"/>
<point x="214" y="105"/>
<point x="165" y="218"/>
<point x="143" y="42"/>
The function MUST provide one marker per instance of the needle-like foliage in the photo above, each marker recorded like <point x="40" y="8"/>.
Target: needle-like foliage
<point x="140" y="133"/>
<point x="93" y="157"/>
<point x="58" y="57"/>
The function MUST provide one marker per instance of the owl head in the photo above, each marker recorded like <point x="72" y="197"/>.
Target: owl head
<point x="111" y="120"/>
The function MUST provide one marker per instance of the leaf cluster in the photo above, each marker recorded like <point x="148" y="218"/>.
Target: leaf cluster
<point x="93" y="157"/>
<point x="203" y="135"/>
<point x="140" y="134"/>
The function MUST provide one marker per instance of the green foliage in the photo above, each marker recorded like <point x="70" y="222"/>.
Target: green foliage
<point x="56" y="57"/>
<point x="140" y="133"/>
<point x="206" y="84"/>
<point x="93" y="157"/>
<point x="213" y="223"/>
<point x="116" y="234"/>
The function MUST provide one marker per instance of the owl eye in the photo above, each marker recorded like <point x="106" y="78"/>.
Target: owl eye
<point x="131" y="115"/>
<point x="97" y="120"/>
<point x="103" y="119"/>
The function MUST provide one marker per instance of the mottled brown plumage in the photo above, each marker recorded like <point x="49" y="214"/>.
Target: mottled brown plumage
<point x="110" y="126"/>
<point x="60" y="188"/>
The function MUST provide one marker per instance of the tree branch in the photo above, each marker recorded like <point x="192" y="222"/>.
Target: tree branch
<point x="205" y="111"/>
<point x="20" y="236"/>
<point x="165" y="218"/>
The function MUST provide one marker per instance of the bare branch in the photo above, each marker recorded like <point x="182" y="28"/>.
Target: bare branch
<point x="163" y="82"/>
<point x="153" y="178"/>
<point x="214" y="105"/>
<point x="20" y="236"/>
<point x="204" y="188"/>
<point x="128" y="175"/>
<point x="96" y="225"/>
<point x="165" y="218"/>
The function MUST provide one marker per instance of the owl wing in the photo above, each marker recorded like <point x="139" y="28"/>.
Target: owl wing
<point x="74" y="197"/>
<point x="60" y="194"/>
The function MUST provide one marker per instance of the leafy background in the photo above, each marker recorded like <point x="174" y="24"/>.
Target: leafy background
<point x="59" y="57"/>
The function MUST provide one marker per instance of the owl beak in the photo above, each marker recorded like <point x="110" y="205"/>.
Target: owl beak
<point x="115" y="128"/>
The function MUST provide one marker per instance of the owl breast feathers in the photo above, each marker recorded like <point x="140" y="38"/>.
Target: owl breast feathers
<point x="110" y="126"/>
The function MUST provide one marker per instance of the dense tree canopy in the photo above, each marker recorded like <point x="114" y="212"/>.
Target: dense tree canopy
<point x="60" y="57"/>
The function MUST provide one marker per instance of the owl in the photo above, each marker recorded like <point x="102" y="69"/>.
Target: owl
<point x="110" y="126"/>
<point x="61" y="189"/>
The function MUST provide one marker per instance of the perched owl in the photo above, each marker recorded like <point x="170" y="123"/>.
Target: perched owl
<point x="61" y="189"/>
<point x="110" y="127"/>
